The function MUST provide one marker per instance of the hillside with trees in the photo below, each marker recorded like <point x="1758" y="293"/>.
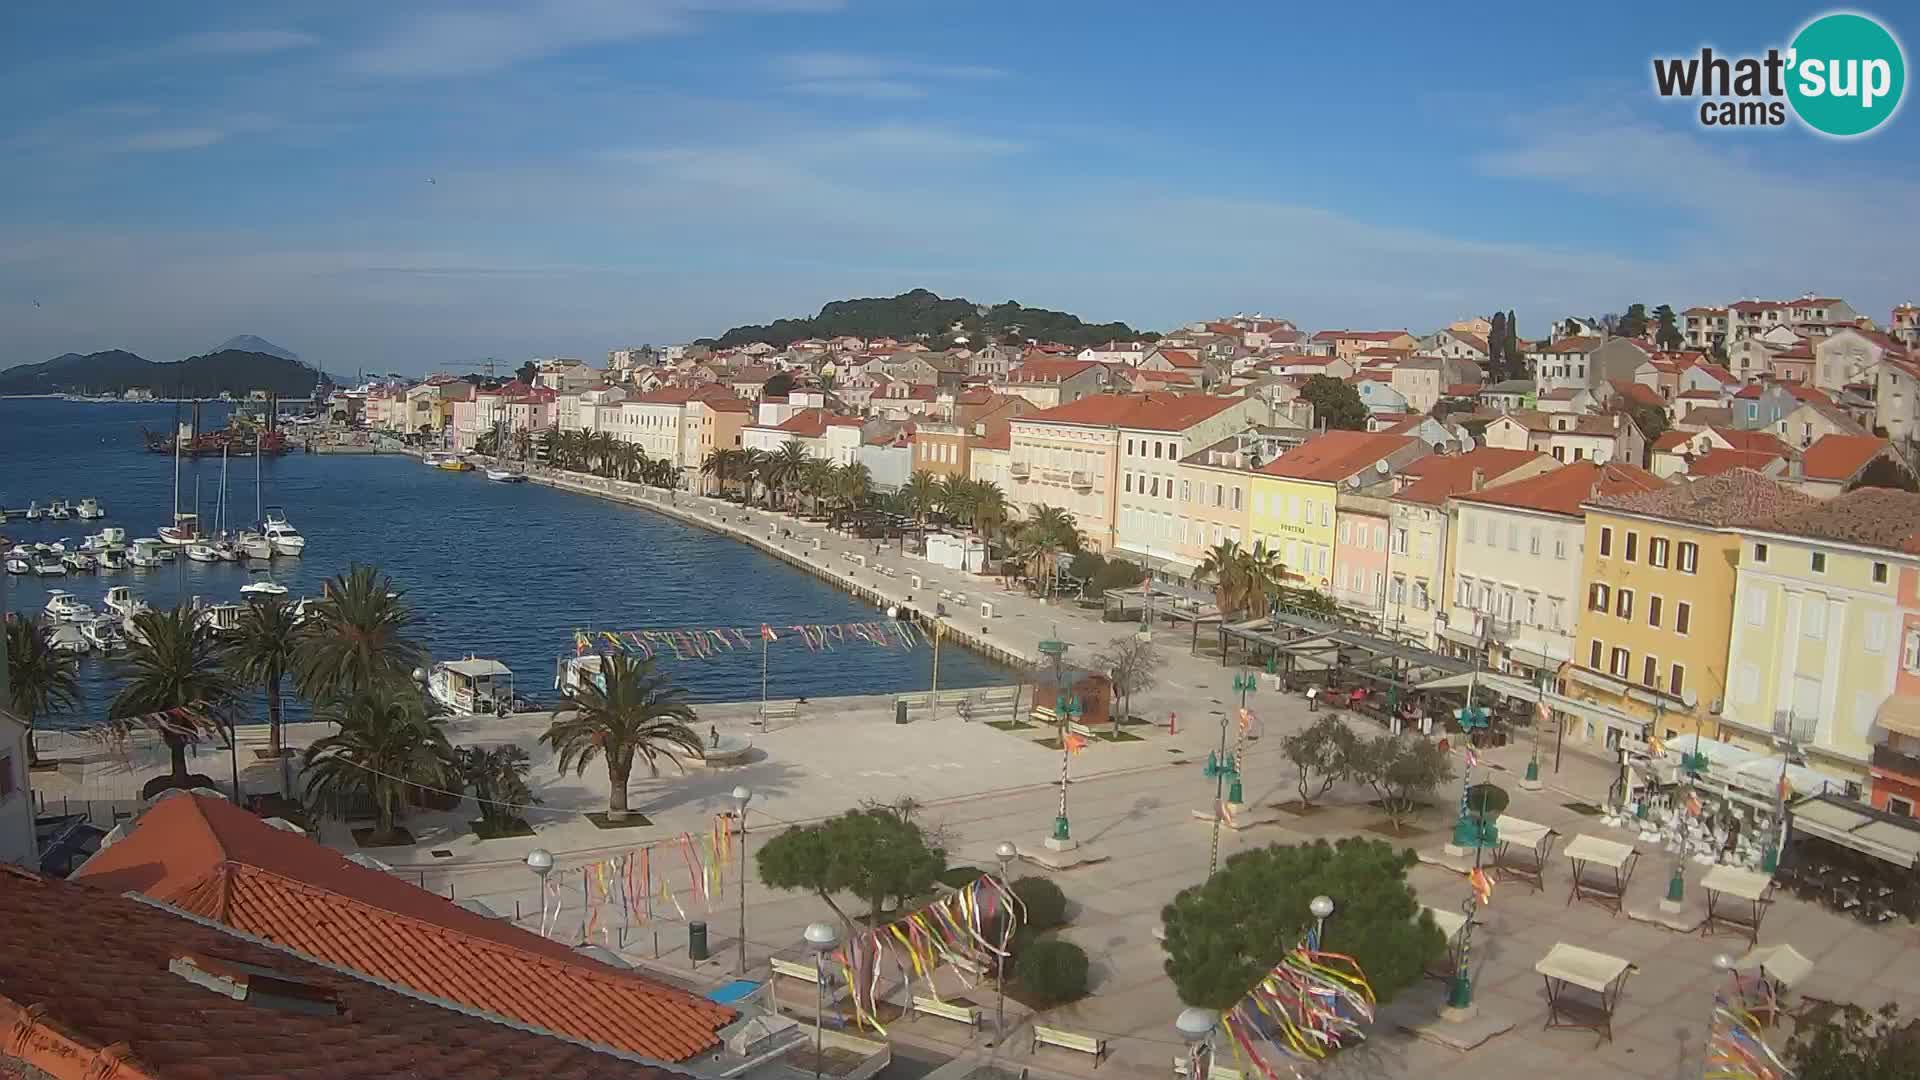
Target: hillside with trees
<point x="922" y="315"/>
<point x="115" y="371"/>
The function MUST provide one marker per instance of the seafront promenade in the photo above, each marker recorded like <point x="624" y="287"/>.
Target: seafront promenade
<point x="1132" y="803"/>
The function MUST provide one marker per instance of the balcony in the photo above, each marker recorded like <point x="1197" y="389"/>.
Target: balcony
<point x="1019" y="469"/>
<point x="1903" y="765"/>
<point x="1053" y="476"/>
<point x="1082" y="482"/>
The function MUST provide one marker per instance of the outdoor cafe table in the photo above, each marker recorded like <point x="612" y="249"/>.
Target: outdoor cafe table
<point x="1612" y="864"/>
<point x="1523" y="851"/>
<point x="1776" y="969"/>
<point x="1583" y="988"/>
<point x="1736" y="900"/>
<point x="1450" y="924"/>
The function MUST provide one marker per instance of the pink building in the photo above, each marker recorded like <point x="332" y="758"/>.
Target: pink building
<point x="1895" y="765"/>
<point x="1361" y="526"/>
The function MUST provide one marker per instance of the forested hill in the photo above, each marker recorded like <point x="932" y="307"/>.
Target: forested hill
<point x="230" y="370"/>
<point x="919" y="313"/>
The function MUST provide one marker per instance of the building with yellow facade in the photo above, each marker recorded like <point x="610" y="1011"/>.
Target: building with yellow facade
<point x="1657" y="617"/>
<point x="1294" y="495"/>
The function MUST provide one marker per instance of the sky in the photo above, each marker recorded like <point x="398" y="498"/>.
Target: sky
<point x="421" y="186"/>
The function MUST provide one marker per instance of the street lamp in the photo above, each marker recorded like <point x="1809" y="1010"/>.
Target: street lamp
<point x="1196" y="1026"/>
<point x="1006" y="853"/>
<point x="741" y="796"/>
<point x="821" y="938"/>
<point x="540" y="861"/>
<point x="1321" y="906"/>
<point x="1245" y="684"/>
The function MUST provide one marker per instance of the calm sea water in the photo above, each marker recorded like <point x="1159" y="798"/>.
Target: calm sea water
<point x="495" y="570"/>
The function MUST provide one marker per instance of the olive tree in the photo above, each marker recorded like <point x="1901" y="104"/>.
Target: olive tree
<point x="872" y="853"/>
<point x="1323" y="754"/>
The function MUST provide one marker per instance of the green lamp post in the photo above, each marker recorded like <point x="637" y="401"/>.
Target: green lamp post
<point x="1244" y="684"/>
<point x="1470" y="829"/>
<point x="1065" y="707"/>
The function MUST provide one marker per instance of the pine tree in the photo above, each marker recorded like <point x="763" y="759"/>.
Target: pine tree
<point x="1497" y="349"/>
<point x="1666" y="332"/>
<point x="1634" y="323"/>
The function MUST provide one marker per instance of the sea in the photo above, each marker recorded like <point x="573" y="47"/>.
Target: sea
<point x="503" y="571"/>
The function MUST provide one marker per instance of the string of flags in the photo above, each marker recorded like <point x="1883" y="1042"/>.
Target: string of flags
<point x="705" y="643"/>
<point x="1736" y="1049"/>
<point x="620" y="892"/>
<point x="1310" y="1004"/>
<point x="964" y="929"/>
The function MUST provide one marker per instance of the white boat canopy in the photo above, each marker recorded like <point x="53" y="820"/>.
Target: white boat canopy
<point x="477" y="669"/>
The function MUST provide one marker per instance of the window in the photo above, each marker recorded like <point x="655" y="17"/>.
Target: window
<point x="1879" y="573"/>
<point x="1899" y="806"/>
<point x="1513" y="537"/>
<point x="1676" y="679"/>
<point x="1657" y="551"/>
<point x="1593" y="655"/>
<point x="1156" y="450"/>
<point x="1597" y="595"/>
<point x="1689" y="557"/>
<point x="1397" y="593"/>
<point x="1126" y="482"/>
<point x="1682" y="618"/>
<point x="1533" y="610"/>
<point x="1379" y="538"/>
<point x="1326" y="514"/>
<point x="1346" y="532"/>
<point x="1217" y="494"/>
<point x="1621" y="663"/>
<point x="1653" y="611"/>
<point x="1463" y="593"/>
<point x="1156" y="488"/>
<point x="1759" y="553"/>
<point x="1533" y="542"/>
<point x="1559" y="547"/>
<point x="1813" y="618"/>
<point x="1399" y="541"/>
<point x="1623" y="603"/>
<point x="1420" y="595"/>
<point x="1649" y="671"/>
<point x="1129" y="447"/>
<point x="1236" y="498"/>
<point x="1606" y="542"/>
<point x="1910" y="652"/>
<point x="1633" y="545"/>
<point x="1186" y="491"/>
<point x="1819" y="562"/>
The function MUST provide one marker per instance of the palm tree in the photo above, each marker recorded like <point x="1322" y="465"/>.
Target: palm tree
<point x="816" y="480"/>
<point x="923" y="494"/>
<point x="783" y="466"/>
<point x="260" y="653"/>
<point x="173" y="661"/>
<point x="991" y="513"/>
<point x="955" y="495"/>
<point x="497" y="777"/>
<point x="852" y="484"/>
<point x="356" y="638"/>
<point x="600" y="448"/>
<point x="550" y="443"/>
<point x="754" y="469"/>
<point x="522" y="443"/>
<point x="40" y="679"/>
<point x="1226" y="570"/>
<point x="386" y="746"/>
<point x="718" y="466"/>
<point x="1049" y="531"/>
<point x="639" y="713"/>
<point x="1265" y="575"/>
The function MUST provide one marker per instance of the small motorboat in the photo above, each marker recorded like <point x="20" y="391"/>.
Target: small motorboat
<point x="69" y="640"/>
<point x="227" y="550"/>
<point x="222" y="618"/>
<point x="184" y="530"/>
<point x="111" y="559"/>
<point x="254" y="546"/>
<point x="202" y="553"/>
<point x="473" y="686"/>
<point x="165" y="552"/>
<point x="79" y="562"/>
<point x="505" y="476"/>
<point x="110" y="538"/>
<point x="59" y="510"/>
<point x="263" y="587"/>
<point x="145" y="554"/>
<point x="90" y="510"/>
<point x="58" y="547"/>
<point x="286" y="539"/>
<point x="456" y="463"/>
<point x="433" y="459"/>
<point x="62" y="606"/>
<point x="49" y="566"/>
<point x="18" y="564"/>
<point x="34" y="511"/>
<point x="120" y="601"/>
<point x="104" y="634"/>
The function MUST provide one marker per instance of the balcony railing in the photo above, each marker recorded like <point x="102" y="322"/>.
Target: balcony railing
<point x="1019" y="468"/>
<point x="1054" y="476"/>
<point x="1893" y="761"/>
<point x="1082" y="481"/>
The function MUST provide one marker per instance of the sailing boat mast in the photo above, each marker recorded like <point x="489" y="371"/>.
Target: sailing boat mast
<point x="220" y="511"/>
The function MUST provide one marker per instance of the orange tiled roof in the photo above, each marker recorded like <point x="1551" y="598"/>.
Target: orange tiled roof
<point x="1733" y="498"/>
<point x="1878" y="517"/>
<point x="1715" y="462"/>
<point x="1441" y="477"/>
<point x="1839" y="457"/>
<point x="1564" y="489"/>
<point x="87" y="991"/>
<point x="1335" y="455"/>
<point x="212" y="859"/>
<point x="1155" y="411"/>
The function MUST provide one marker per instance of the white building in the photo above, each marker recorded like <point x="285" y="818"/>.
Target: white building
<point x="17" y="844"/>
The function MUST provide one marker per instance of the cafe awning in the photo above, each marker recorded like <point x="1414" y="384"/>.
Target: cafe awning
<point x="1900" y="715"/>
<point x="1862" y="828"/>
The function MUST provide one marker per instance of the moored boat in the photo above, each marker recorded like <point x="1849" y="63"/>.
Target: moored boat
<point x="456" y="463"/>
<point x="104" y="634"/>
<point x="263" y="585"/>
<point x="111" y="559"/>
<point x="184" y="530"/>
<point x="121" y="602"/>
<point x="472" y="686"/>
<point x="18" y="564"/>
<point x="62" y="606"/>
<point x="47" y="565"/>
<point x="90" y="509"/>
<point x="285" y="539"/>
<point x="69" y="640"/>
<point x="79" y="562"/>
<point x="577" y="671"/>
<point x="505" y="476"/>
<point x="34" y="511"/>
<point x="202" y="553"/>
<point x="145" y="554"/>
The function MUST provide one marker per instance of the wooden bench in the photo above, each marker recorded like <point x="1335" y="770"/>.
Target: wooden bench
<point x="914" y="702"/>
<point x="779" y="710"/>
<point x="1044" y="714"/>
<point x="965" y="1014"/>
<point x="1215" y="1072"/>
<point x="953" y="697"/>
<point x="1000" y="699"/>
<point x="1067" y="1040"/>
<point x="803" y="972"/>
<point x="1075" y="727"/>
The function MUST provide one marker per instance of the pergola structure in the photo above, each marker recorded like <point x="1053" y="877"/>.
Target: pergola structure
<point x="1292" y="642"/>
<point x="1171" y="605"/>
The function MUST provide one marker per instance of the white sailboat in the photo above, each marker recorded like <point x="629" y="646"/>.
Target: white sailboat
<point x="253" y="542"/>
<point x="186" y="527"/>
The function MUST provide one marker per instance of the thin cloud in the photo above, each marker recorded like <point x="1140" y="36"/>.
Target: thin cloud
<point x="165" y="140"/>
<point x="820" y="65"/>
<point x="242" y="42"/>
<point x="869" y="89"/>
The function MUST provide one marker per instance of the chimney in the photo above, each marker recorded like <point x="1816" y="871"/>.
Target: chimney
<point x="1479" y="480"/>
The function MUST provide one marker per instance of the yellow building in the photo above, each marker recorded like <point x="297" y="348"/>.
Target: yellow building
<point x="1817" y="626"/>
<point x="1656" y="619"/>
<point x="1294" y="494"/>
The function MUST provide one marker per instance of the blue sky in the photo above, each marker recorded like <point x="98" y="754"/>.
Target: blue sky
<point x="611" y="172"/>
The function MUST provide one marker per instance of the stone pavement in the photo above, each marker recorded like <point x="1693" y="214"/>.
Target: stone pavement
<point x="1133" y="801"/>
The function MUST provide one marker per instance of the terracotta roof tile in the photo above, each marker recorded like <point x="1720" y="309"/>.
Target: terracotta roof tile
<point x="1049" y="370"/>
<point x="1335" y="455"/>
<point x="214" y="860"/>
<point x="1840" y="457"/>
<point x="1672" y="440"/>
<point x="1573" y="345"/>
<point x="1155" y="411"/>
<point x="1739" y="498"/>
<point x="1876" y="517"/>
<point x="1715" y="462"/>
<point x="1441" y="477"/>
<point x="1564" y="489"/>
<point x="85" y="979"/>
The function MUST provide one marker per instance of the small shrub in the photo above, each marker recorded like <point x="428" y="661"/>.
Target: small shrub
<point x="1046" y="905"/>
<point x="959" y="877"/>
<point x="1053" y="971"/>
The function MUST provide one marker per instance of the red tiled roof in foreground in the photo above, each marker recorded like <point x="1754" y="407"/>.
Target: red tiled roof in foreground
<point x="1840" y="457"/>
<point x="1565" y="488"/>
<point x="1335" y="455"/>
<point x="87" y="991"/>
<point x="1443" y="476"/>
<point x="212" y="859"/>
<point x="1156" y="411"/>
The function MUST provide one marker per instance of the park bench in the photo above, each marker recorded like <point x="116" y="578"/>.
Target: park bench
<point x="914" y="701"/>
<point x="779" y="710"/>
<point x="1214" y="1072"/>
<point x="953" y="697"/>
<point x="999" y="699"/>
<point x="803" y="972"/>
<point x="1068" y="1040"/>
<point x="1044" y="714"/>
<point x="945" y="1010"/>
<point x="1075" y="727"/>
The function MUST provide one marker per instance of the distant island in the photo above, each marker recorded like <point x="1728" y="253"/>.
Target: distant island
<point x="922" y="315"/>
<point x="232" y="371"/>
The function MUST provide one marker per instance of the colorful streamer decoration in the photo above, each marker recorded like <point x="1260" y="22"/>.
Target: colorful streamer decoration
<point x="618" y="892"/>
<point x="1736" y="1050"/>
<point x="1482" y="886"/>
<point x="964" y="929"/>
<point x="1311" y="1004"/>
<point x="706" y="643"/>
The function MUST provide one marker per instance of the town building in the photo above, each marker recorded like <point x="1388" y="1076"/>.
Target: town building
<point x="1051" y="383"/>
<point x="1293" y="496"/>
<point x="1603" y="438"/>
<point x="1564" y="363"/>
<point x="1835" y="463"/>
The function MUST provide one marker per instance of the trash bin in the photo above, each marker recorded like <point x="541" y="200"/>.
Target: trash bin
<point x="697" y="941"/>
<point x="899" y="711"/>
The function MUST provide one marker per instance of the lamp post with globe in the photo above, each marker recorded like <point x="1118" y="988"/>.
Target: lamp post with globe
<point x="821" y="938"/>
<point x="540" y="861"/>
<point x="741" y="796"/>
<point x="1196" y="1027"/>
<point x="1006" y="853"/>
